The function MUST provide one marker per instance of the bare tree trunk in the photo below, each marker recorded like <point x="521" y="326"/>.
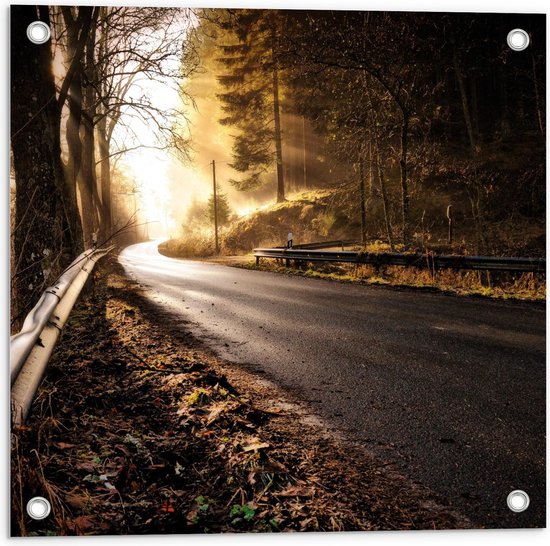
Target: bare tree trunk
<point x="474" y="109"/>
<point x="88" y="180"/>
<point x="75" y="100"/>
<point x="304" y="153"/>
<point x="405" y="196"/>
<point x="85" y="184"/>
<point x="465" y="105"/>
<point x="79" y="33"/>
<point x="74" y="159"/>
<point x="374" y="155"/>
<point x="475" y="201"/>
<point x="72" y="126"/>
<point x="370" y="193"/>
<point x="539" y="109"/>
<point x="383" y="189"/>
<point x="362" y="197"/>
<point x="505" y="125"/>
<point x="385" y="203"/>
<point x="40" y="217"/>
<point x="277" y="118"/>
<point x="105" y="174"/>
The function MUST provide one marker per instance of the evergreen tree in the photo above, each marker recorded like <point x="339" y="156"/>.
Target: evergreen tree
<point x="251" y="102"/>
<point x="224" y="210"/>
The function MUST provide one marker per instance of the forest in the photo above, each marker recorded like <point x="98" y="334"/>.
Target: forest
<point x="261" y="264"/>
<point x="370" y="126"/>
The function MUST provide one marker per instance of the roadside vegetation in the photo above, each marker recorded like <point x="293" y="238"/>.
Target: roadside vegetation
<point x="137" y="430"/>
<point x="316" y="216"/>
<point x="526" y="286"/>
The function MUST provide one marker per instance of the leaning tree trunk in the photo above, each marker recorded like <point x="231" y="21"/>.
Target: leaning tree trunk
<point x="74" y="159"/>
<point x="103" y="137"/>
<point x="85" y="185"/>
<point x="39" y="178"/>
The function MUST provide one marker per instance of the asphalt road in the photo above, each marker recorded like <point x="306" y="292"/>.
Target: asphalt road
<point x="450" y="389"/>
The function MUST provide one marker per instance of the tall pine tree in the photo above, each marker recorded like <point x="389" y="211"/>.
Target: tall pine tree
<point x="252" y="97"/>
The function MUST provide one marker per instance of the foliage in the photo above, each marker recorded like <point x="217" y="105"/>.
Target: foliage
<point x="224" y="210"/>
<point x="196" y="217"/>
<point x="247" y="43"/>
<point x="244" y="512"/>
<point x="405" y="121"/>
<point x="524" y="286"/>
<point x="191" y="246"/>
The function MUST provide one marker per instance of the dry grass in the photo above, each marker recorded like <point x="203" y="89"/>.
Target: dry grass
<point x="524" y="286"/>
<point x="188" y="247"/>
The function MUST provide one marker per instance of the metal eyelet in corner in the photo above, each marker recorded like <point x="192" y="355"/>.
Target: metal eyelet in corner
<point x="39" y="508"/>
<point x="518" y="501"/>
<point x="38" y="32"/>
<point x="518" y="39"/>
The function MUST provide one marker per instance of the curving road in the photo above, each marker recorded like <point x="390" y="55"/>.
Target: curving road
<point x="450" y="389"/>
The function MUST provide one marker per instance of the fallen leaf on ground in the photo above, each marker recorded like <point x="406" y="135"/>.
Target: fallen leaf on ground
<point x="88" y="467"/>
<point x="255" y="445"/>
<point x="297" y="492"/>
<point x="82" y="523"/>
<point x="63" y="445"/>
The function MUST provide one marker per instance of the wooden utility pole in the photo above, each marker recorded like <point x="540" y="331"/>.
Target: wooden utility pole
<point x="215" y="207"/>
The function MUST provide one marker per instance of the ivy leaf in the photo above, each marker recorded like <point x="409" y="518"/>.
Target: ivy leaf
<point x="248" y="512"/>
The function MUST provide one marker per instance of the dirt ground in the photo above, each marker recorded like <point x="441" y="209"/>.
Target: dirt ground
<point x="139" y="429"/>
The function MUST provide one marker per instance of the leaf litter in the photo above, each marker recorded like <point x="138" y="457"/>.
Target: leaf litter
<point x="135" y="430"/>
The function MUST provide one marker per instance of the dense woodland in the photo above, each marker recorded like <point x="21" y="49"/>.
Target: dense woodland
<point x="404" y="116"/>
<point x="408" y="118"/>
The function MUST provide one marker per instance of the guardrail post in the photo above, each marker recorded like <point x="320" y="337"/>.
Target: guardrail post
<point x="450" y="219"/>
<point x="376" y="266"/>
<point x="257" y="261"/>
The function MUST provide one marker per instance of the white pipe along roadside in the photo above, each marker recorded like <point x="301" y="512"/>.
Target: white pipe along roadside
<point x="31" y="348"/>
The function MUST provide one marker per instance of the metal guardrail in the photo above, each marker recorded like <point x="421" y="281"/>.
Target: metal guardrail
<point x="325" y="244"/>
<point x="428" y="261"/>
<point x="322" y="244"/>
<point x="32" y="347"/>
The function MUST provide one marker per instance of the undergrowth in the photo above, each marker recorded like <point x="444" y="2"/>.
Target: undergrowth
<point x="188" y="247"/>
<point x="524" y="286"/>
